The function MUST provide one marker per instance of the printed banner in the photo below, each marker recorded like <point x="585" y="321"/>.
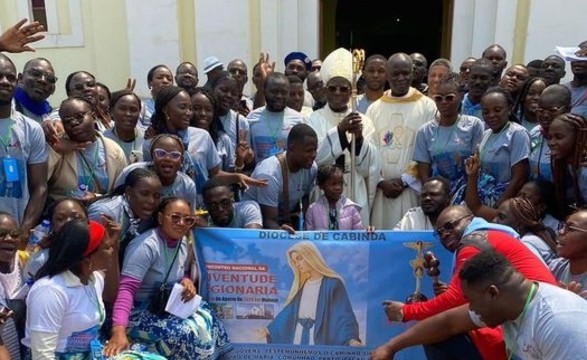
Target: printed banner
<point x="313" y="295"/>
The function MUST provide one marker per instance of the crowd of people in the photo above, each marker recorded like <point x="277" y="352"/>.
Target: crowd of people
<point x="491" y="158"/>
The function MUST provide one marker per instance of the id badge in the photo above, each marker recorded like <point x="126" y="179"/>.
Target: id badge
<point x="10" y="169"/>
<point x="96" y="350"/>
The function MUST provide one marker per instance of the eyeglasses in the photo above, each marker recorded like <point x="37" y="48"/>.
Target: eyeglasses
<point x="564" y="227"/>
<point x="450" y="226"/>
<point x="162" y="154"/>
<point x="447" y="98"/>
<point x="78" y="117"/>
<point x="223" y="204"/>
<point x="82" y="86"/>
<point x="552" y="110"/>
<point x="189" y="220"/>
<point x="14" y="233"/>
<point x="37" y="74"/>
<point x="342" y="89"/>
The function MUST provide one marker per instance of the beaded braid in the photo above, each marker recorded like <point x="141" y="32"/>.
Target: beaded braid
<point x="559" y="167"/>
<point x="529" y="221"/>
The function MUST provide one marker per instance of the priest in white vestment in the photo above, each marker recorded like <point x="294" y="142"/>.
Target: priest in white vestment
<point x="335" y="125"/>
<point x="397" y="116"/>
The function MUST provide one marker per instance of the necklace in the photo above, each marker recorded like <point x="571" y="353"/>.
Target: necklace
<point x="511" y="347"/>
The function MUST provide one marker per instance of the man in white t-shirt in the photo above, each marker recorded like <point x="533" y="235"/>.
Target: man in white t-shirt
<point x="224" y="212"/>
<point x="539" y="321"/>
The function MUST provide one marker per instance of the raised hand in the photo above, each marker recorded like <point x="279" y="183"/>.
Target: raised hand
<point x="473" y="164"/>
<point x="16" y="38"/>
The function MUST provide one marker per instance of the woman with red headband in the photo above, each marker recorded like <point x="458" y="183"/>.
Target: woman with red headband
<point x="64" y="306"/>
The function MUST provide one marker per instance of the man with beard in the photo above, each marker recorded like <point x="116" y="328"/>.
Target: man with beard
<point x="420" y="72"/>
<point x="498" y="57"/>
<point x="514" y="79"/>
<point x="224" y="212"/>
<point x="578" y="85"/>
<point x="269" y="126"/>
<point x="35" y="84"/>
<point x="465" y="235"/>
<point x="23" y="152"/>
<point x="375" y="77"/>
<point x="552" y="69"/>
<point x="397" y="116"/>
<point x="539" y="320"/>
<point x="186" y="77"/>
<point x="434" y="197"/>
<point x="479" y="81"/>
<point x="238" y="69"/>
<point x="464" y="71"/>
<point x="290" y="178"/>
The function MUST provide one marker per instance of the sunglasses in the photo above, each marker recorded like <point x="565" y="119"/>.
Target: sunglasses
<point x="564" y="227"/>
<point x="342" y="89"/>
<point x="189" y="220"/>
<point x="447" y="98"/>
<point x="37" y="74"/>
<point x="162" y="154"/>
<point x="14" y="233"/>
<point x="77" y="117"/>
<point x="450" y="226"/>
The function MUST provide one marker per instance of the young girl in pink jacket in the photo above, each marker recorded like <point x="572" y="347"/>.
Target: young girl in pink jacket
<point x="333" y="211"/>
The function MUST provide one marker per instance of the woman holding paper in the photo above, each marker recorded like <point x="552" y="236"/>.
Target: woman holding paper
<point x="155" y="257"/>
<point x="317" y="310"/>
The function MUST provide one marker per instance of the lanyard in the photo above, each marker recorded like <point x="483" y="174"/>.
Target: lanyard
<point x="275" y="131"/>
<point x="119" y="140"/>
<point x="91" y="169"/>
<point x="5" y="138"/>
<point x="510" y="347"/>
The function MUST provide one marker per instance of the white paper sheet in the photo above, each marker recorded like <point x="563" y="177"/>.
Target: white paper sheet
<point x="177" y="307"/>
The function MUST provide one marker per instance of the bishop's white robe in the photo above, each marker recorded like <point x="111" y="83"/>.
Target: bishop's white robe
<point x="396" y="121"/>
<point x="324" y="122"/>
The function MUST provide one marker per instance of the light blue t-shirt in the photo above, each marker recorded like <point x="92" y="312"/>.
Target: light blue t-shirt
<point x="539" y="158"/>
<point x="229" y="124"/>
<point x="578" y="99"/>
<point x="147" y="110"/>
<point x="582" y="184"/>
<point x="25" y="145"/>
<point x="133" y="150"/>
<point x="300" y="184"/>
<point x="112" y="206"/>
<point x="269" y="131"/>
<point x="147" y="259"/>
<point x="363" y="103"/>
<point x="471" y="109"/>
<point x="499" y="152"/>
<point x="183" y="186"/>
<point x="226" y="151"/>
<point x="446" y="148"/>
